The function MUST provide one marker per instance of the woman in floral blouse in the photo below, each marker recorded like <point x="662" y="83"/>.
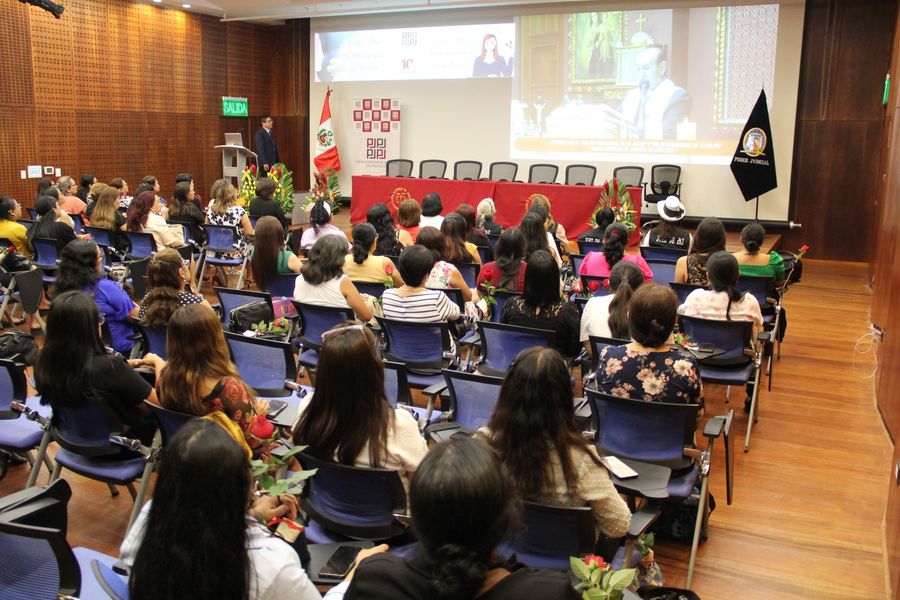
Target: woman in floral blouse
<point x="650" y="368"/>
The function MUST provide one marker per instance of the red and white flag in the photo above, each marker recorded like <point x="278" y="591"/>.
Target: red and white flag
<point x="326" y="146"/>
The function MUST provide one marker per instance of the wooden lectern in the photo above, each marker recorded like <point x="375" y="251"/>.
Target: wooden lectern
<point x="235" y="157"/>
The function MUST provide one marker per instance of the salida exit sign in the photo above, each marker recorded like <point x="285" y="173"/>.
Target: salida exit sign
<point x="234" y="107"/>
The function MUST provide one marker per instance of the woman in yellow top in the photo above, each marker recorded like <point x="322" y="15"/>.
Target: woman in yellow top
<point x="10" y="211"/>
<point x="362" y="265"/>
<point x="456" y="248"/>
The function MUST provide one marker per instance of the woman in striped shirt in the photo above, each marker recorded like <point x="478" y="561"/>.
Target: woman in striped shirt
<point x="412" y="301"/>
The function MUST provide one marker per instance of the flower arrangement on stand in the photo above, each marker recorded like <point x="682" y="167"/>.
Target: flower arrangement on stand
<point x="248" y="185"/>
<point x="284" y="186"/>
<point x="614" y="195"/>
<point x="598" y="580"/>
<point x="327" y="188"/>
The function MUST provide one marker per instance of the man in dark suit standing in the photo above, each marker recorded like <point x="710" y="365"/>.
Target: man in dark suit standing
<point x="265" y="146"/>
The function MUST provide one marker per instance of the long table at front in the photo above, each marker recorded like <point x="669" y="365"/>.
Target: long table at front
<point x="573" y="205"/>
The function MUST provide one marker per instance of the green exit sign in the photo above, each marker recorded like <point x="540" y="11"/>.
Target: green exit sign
<point x="234" y="107"/>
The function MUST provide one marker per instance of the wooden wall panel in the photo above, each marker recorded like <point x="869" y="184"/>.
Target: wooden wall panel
<point x="15" y="55"/>
<point x="126" y="89"/>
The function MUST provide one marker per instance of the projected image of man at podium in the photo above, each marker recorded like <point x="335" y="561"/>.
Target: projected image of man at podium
<point x="656" y="105"/>
<point x="264" y="144"/>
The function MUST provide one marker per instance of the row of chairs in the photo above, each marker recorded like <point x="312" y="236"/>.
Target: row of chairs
<point x="664" y="178"/>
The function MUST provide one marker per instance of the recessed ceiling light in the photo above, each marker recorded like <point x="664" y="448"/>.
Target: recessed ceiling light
<point x="185" y="6"/>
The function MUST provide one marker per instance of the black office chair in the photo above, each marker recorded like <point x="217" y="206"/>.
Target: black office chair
<point x="399" y="167"/>
<point x="663" y="183"/>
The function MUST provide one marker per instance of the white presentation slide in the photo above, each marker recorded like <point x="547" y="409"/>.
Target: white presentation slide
<point x="670" y="85"/>
<point x="452" y="52"/>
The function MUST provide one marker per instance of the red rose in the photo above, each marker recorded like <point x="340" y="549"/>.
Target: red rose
<point x="261" y="428"/>
<point x="804" y="248"/>
<point x="593" y="285"/>
<point x="11" y="249"/>
<point x="253" y="168"/>
<point x="594" y="560"/>
<point x="389" y="269"/>
<point x="488" y="273"/>
<point x="606" y="284"/>
<point x="246" y="169"/>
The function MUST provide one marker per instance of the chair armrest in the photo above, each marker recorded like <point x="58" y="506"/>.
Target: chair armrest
<point x="714" y="427"/>
<point x="435" y="389"/>
<point x="642" y="519"/>
<point x="764" y="336"/>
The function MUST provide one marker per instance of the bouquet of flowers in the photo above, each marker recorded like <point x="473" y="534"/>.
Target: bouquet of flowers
<point x="248" y="185"/>
<point x="614" y="195"/>
<point x="598" y="580"/>
<point x="284" y="186"/>
<point x="326" y="188"/>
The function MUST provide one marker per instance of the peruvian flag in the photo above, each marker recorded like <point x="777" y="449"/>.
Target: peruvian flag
<point x="326" y="147"/>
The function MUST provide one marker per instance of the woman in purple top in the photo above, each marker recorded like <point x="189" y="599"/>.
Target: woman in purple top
<point x="615" y="239"/>
<point x="79" y="269"/>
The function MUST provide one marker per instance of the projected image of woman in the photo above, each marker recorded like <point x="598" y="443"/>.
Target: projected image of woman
<point x="489" y="63"/>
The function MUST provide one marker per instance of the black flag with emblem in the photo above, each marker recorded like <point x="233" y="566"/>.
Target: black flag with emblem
<point x="753" y="165"/>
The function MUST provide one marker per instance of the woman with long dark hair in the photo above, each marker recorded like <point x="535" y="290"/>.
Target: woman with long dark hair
<point x="474" y="233"/>
<point x="533" y="430"/>
<point x="363" y="264"/>
<point x="615" y="240"/>
<point x="507" y="270"/>
<point x="456" y="248"/>
<point x="463" y="504"/>
<point x="182" y="209"/>
<point x="541" y="307"/>
<point x="169" y="288"/>
<point x="443" y="274"/>
<point x="322" y="280"/>
<point x="708" y="239"/>
<point x="723" y="301"/>
<point x="271" y="257"/>
<point x="74" y="368"/>
<point x="607" y="316"/>
<point x="556" y="230"/>
<point x="391" y="241"/>
<point x="199" y="377"/>
<point x="180" y="548"/>
<point x="536" y="237"/>
<point x="321" y="226"/>
<point x="349" y="419"/>
<point x="144" y="216"/>
<point x="79" y="269"/>
<point x="649" y="367"/>
<point x="51" y="223"/>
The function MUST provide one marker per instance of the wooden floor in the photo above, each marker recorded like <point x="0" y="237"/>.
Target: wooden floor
<point x="809" y="497"/>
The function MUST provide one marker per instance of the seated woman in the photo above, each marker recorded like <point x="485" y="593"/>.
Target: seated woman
<point x="556" y="230"/>
<point x="615" y="240"/>
<point x="321" y="226"/>
<point x="431" y="211"/>
<point x="463" y="505"/>
<point x="270" y="256"/>
<point x="607" y="316"/>
<point x="224" y="210"/>
<point x="412" y="301"/>
<point x="390" y="239"/>
<point x="10" y="212"/>
<point x="474" y="234"/>
<point x="723" y="302"/>
<point x="541" y="307"/>
<point x="533" y="430"/>
<point x="79" y="269"/>
<point x="536" y="237"/>
<point x="649" y="367"/>
<point x="183" y="209"/>
<point x="52" y="222"/>
<point x="363" y="265"/>
<point x="264" y="204"/>
<point x="74" y="368"/>
<point x="456" y="249"/>
<point x="144" y="217"/>
<point x="168" y="289"/>
<point x="754" y="263"/>
<point x="349" y="420"/>
<point x="408" y="214"/>
<point x="70" y="202"/>
<point x="486" y="211"/>
<point x="104" y="214"/>
<point x="443" y="274"/>
<point x="204" y="464"/>
<point x="667" y="234"/>
<point x="709" y="238"/>
<point x="603" y="218"/>
<point x="507" y="271"/>
<point x="322" y="280"/>
<point x="199" y="377"/>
